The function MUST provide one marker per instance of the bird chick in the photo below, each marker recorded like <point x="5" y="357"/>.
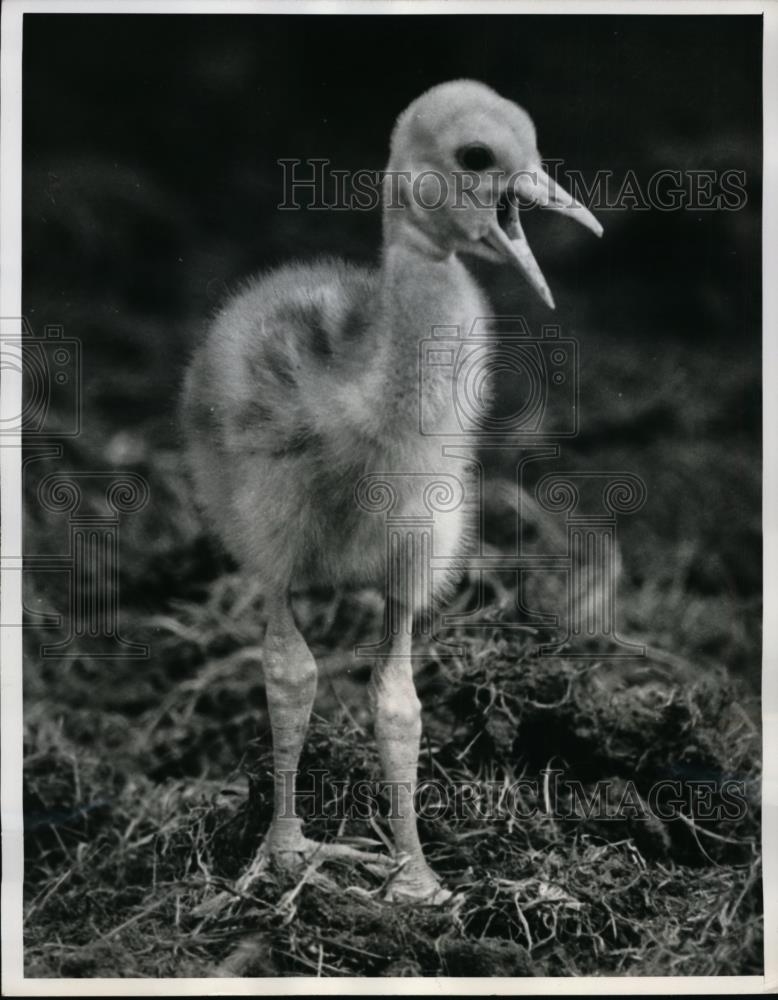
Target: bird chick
<point x="309" y="381"/>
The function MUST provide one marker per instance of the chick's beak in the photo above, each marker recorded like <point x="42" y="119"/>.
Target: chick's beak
<point x="539" y="189"/>
<point x="512" y="244"/>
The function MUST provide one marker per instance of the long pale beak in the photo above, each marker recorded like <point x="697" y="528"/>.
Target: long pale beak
<point x="510" y="241"/>
<point x="536" y="186"/>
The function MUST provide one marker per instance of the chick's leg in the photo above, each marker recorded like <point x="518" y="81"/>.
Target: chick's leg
<point x="290" y="684"/>
<point x="397" y="713"/>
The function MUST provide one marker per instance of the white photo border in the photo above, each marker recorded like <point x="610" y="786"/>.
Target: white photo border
<point x="14" y="982"/>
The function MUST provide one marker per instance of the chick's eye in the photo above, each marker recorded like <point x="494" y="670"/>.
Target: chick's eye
<point x="475" y="157"/>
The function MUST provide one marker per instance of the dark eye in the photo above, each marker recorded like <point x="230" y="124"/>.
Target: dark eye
<point x="475" y="157"/>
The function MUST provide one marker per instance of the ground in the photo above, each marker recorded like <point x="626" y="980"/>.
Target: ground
<point x="147" y="782"/>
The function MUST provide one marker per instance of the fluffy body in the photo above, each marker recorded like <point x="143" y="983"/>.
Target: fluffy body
<point x="308" y="380"/>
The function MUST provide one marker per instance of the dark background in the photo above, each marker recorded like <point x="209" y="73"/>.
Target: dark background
<point x="150" y="149"/>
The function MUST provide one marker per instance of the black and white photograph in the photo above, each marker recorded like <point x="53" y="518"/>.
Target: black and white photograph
<point x="382" y="491"/>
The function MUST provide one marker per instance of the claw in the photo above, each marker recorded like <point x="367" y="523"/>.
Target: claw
<point x="405" y="884"/>
<point x="311" y="851"/>
<point x="434" y="895"/>
<point x="415" y="882"/>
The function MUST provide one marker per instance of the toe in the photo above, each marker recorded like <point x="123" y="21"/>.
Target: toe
<point x="418" y="884"/>
<point x="427" y="896"/>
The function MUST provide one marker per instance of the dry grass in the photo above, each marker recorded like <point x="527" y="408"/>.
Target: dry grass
<point x="148" y="792"/>
<point x="121" y="866"/>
